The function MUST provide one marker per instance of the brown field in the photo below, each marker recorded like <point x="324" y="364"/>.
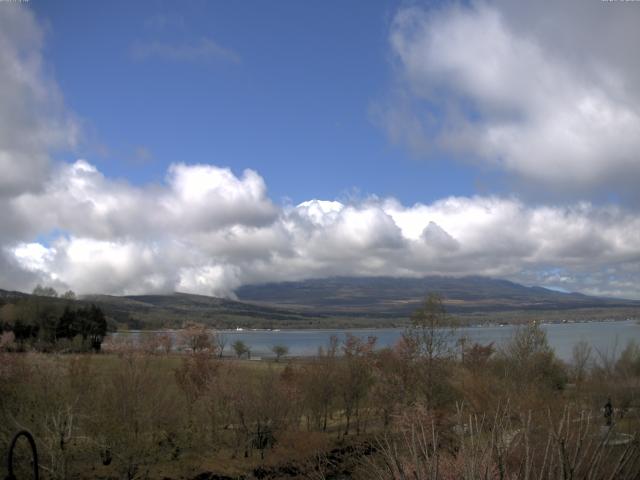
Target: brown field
<point x="353" y="410"/>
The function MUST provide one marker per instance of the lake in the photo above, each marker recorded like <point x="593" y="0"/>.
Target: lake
<point x="605" y="337"/>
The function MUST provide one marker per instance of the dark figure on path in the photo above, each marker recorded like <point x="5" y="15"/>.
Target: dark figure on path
<point x="608" y="412"/>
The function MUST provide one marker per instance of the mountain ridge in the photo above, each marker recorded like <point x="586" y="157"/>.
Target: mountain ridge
<point x="385" y="293"/>
<point x="343" y="302"/>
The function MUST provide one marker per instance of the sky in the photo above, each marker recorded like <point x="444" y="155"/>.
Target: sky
<point x="198" y="146"/>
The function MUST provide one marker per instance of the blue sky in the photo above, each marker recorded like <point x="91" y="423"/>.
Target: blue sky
<point x="156" y="146"/>
<point x="296" y="105"/>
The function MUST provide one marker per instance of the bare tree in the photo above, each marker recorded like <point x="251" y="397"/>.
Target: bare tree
<point x="432" y="338"/>
<point x="279" y="351"/>
<point x="581" y="357"/>
<point x="432" y="329"/>
<point x="165" y="341"/>
<point x="68" y="295"/>
<point x="41" y="291"/>
<point x="196" y="338"/>
<point x="319" y="385"/>
<point x="355" y="377"/>
<point x="220" y="342"/>
<point x="529" y="359"/>
<point x="240" y="348"/>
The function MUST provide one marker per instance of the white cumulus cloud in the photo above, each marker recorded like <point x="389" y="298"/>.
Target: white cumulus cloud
<point x="486" y="83"/>
<point x="33" y="120"/>
<point x="206" y="230"/>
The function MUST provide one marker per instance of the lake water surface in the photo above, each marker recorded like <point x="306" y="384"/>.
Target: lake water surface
<point x="606" y="337"/>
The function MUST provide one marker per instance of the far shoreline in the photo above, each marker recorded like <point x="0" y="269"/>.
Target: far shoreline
<point x="241" y="330"/>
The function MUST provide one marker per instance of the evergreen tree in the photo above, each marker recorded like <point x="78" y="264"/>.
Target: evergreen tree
<point x="67" y="326"/>
<point x="97" y="327"/>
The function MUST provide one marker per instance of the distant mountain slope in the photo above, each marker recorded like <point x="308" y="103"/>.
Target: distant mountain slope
<point x="6" y="294"/>
<point x="176" y="309"/>
<point x="389" y="295"/>
<point x="343" y="302"/>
